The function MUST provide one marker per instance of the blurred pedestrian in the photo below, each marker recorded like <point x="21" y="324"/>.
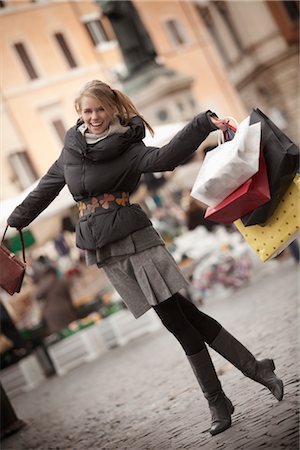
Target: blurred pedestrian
<point x="102" y="162"/>
<point x="10" y="423"/>
<point x="58" y="310"/>
<point x="195" y="216"/>
<point x="294" y="250"/>
<point x="9" y="329"/>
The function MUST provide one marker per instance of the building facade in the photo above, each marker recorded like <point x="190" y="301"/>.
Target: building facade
<point x="47" y="55"/>
<point x="183" y="44"/>
<point x="50" y="49"/>
<point x="258" y="42"/>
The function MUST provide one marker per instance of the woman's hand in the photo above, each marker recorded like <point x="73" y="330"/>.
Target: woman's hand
<point x="219" y="123"/>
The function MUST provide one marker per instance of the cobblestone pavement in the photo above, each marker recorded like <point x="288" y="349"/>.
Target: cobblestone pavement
<point x="144" y="396"/>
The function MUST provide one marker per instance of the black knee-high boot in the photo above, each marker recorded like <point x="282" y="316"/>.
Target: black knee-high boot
<point x="220" y="406"/>
<point x="261" y="371"/>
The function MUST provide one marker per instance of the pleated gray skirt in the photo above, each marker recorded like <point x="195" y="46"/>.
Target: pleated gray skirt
<point x="146" y="278"/>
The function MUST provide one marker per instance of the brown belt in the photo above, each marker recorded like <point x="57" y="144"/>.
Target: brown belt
<point x="105" y="201"/>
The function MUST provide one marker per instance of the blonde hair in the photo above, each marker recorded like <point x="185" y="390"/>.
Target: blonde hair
<point x="112" y="100"/>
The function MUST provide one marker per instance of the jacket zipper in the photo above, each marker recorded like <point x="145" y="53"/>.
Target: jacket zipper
<point x="83" y="171"/>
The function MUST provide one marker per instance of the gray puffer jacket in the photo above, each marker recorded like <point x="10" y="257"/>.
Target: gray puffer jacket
<point x="113" y="164"/>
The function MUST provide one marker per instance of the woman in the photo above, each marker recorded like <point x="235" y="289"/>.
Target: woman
<point x="101" y="162"/>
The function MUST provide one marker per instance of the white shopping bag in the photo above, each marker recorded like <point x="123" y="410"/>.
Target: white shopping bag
<point x="229" y="165"/>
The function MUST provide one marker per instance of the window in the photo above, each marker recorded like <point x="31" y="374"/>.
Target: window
<point x="180" y="106"/>
<point x="162" y="115"/>
<point x="96" y="31"/>
<point x="225" y="13"/>
<point x="53" y="117"/>
<point x="24" y="57"/>
<point x="292" y="9"/>
<point x="176" y="31"/>
<point x="65" y="49"/>
<point x="286" y="14"/>
<point x="22" y="168"/>
<point x="60" y="129"/>
<point x="207" y="18"/>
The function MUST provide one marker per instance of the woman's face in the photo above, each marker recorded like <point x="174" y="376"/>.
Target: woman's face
<point x="94" y="115"/>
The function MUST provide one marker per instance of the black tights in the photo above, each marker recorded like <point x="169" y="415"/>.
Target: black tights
<point x="191" y="327"/>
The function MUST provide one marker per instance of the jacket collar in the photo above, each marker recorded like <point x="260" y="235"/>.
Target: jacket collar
<point x="108" y="148"/>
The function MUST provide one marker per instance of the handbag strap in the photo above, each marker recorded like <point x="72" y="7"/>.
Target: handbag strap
<point x="22" y="241"/>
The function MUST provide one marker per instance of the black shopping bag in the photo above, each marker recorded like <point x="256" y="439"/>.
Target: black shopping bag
<point x="282" y="161"/>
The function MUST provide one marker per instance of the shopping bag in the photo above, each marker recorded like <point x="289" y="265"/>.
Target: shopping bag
<point x="251" y="194"/>
<point x="229" y="165"/>
<point x="280" y="229"/>
<point x="282" y="161"/>
<point x="12" y="269"/>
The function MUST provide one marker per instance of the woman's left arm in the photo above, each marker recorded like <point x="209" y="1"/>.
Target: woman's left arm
<point x="37" y="200"/>
<point x="182" y="145"/>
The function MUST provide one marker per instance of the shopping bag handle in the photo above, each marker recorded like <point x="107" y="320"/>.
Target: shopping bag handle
<point x="22" y="241"/>
<point x="221" y="138"/>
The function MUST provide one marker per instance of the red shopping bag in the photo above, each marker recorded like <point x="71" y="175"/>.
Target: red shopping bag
<point x="250" y="195"/>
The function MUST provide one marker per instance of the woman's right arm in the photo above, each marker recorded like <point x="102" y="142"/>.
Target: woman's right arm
<point x="48" y="188"/>
<point x="181" y="146"/>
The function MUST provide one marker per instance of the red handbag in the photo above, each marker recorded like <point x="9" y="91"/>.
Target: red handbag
<point x="12" y="269"/>
<point x="250" y="195"/>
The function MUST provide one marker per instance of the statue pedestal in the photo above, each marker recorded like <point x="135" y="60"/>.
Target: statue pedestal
<point x="161" y="95"/>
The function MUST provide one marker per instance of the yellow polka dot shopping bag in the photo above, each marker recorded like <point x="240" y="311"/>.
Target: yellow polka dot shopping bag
<point x="280" y="229"/>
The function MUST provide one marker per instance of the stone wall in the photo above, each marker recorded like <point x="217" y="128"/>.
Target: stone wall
<point x="275" y="90"/>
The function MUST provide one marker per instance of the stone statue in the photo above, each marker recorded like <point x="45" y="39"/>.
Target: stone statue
<point x="135" y="43"/>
